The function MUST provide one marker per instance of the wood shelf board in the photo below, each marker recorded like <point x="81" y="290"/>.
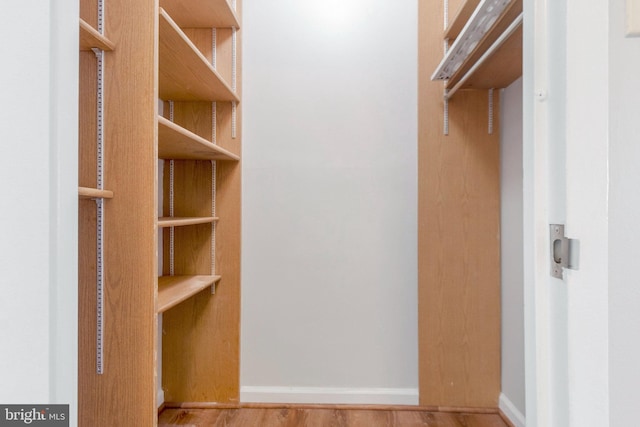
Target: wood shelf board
<point x="509" y="15"/>
<point x="461" y="17"/>
<point x="184" y="73"/>
<point x="90" y="38"/>
<point x="176" y="142"/>
<point x="504" y="67"/>
<point x="94" y="193"/>
<point x="201" y="14"/>
<point x="172" y="290"/>
<point x="182" y="221"/>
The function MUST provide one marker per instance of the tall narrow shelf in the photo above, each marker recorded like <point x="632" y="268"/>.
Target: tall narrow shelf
<point x="199" y="137"/>
<point x="459" y="205"/>
<point x="172" y="290"/>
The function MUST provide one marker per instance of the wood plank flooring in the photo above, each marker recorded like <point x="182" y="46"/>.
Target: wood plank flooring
<point x="305" y="417"/>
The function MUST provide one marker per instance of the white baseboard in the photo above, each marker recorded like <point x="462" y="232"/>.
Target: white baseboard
<point x="324" y="395"/>
<point x="510" y="411"/>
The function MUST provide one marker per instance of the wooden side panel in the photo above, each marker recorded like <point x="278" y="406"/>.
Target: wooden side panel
<point x="458" y="232"/>
<point x="125" y="393"/>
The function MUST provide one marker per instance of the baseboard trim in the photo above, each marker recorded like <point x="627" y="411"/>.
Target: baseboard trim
<point x="331" y="396"/>
<point x="509" y="411"/>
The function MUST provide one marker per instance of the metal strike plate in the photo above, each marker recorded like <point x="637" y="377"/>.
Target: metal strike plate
<point x="564" y="251"/>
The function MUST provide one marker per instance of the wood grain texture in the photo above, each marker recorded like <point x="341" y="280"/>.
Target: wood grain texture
<point x="185" y="74"/>
<point x="296" y="417"/>
<point x="125" y="394"/>
<point x="172" y="290"/>
<point x="458" y="237"/>
<point x="201" y="351"/>
<point x="201" y="13"/>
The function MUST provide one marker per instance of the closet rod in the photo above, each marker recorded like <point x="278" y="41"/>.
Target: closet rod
<point x="503" y="37"/>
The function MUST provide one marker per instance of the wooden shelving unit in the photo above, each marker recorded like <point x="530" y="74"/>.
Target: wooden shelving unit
<point x="172" y="290"/>
<point x="184" y="72"/>
<point x="160" y="53"/>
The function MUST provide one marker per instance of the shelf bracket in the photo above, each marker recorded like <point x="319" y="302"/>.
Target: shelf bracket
<point x="214" y="42"/>
<point x="214" y="168"/>
<point x="99" y="205"/>
<point x="172" y="230"/>
<point x="234" y="58"/>
<point x="491" y="111"/>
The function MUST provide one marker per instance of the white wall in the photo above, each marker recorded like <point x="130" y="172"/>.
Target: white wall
<point x="329" y="201"/>
<point x="38" y="190"/>
<point x="511" y="251"/>
<point x="624" y="231"/>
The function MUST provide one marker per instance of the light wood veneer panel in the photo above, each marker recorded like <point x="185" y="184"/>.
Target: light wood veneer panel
<point x="126" y="393"/>
<point x="458" y="237"/>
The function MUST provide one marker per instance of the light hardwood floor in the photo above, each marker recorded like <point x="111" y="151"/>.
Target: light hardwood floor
<point x="323" y="417"/>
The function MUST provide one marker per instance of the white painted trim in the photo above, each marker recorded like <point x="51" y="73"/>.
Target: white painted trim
<point x="63" y="203"/>
<point x="330" y="395"/>
<point x="511" y="412"/>
<point x="160" y="397"/>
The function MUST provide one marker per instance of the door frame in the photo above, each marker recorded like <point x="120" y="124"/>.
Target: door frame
<point x="576" y="308"/>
